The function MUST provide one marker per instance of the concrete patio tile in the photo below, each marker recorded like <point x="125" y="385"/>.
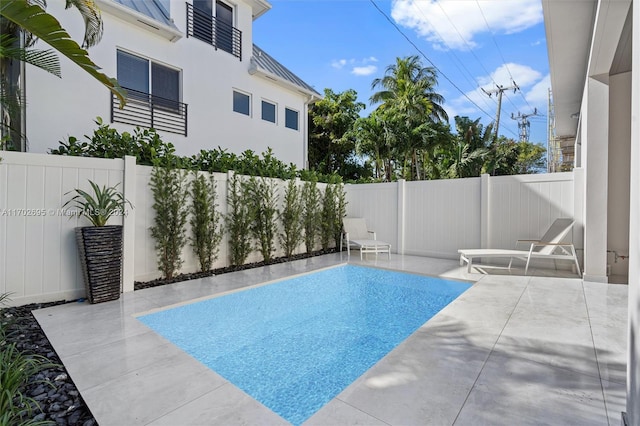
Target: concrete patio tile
<point x="103" y="363"/>
<point x="225" y="405"/>
<point x="515" y="391"/>
<point x="510" y="350"/>
<point x="70" y="338"/>
<point x="151" y="392"/>
<point x="615" y="397"/>
<point x="338" y="412"/>
<point x="423" y="381"/>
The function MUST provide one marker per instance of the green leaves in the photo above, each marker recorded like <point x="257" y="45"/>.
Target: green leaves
<point x="37" y="21"/>
<point x="171" y="208"/>
<point x="100" y="205"/>
<point x="206" y="221"/>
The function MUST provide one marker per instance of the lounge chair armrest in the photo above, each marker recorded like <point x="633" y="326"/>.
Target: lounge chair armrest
<point x="526" y="241"/>
<point x="374" y="234"/>
<point x="542" y="243"/>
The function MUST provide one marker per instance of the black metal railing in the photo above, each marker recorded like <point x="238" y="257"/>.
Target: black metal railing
<point x="217" y="33"/>
<point x="145" y="110"/>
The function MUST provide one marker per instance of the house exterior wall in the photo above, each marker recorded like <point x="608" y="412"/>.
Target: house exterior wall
<point x="59" y="108"/>
<point x="633" y="360"/>
<point x="619" y="169"/>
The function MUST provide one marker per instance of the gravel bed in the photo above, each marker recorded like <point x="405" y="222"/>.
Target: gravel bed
<point x="57" y="396"/>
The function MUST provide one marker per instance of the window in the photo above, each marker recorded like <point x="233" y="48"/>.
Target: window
<point x="216" y="29"/>
<point x="133" y="73"/>
<point x="241" y="103"/>
<point x="202" y="20"/>
<point x="291" y="119"/>
<point x="268" y="111"/>
<point x="224" y="27"/>
<point x="139" y="75"/>
<point x="154" y="94"/>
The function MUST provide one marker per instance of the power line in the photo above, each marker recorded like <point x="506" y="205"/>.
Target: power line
<point x="469" y="77"/>
<point x="495" y="42"/>
<point x="428" y="60"/>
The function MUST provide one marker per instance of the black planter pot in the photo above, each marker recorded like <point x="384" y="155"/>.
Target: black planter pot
<point x="100" y="249"/>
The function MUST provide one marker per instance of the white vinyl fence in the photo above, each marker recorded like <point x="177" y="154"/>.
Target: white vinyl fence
<point x="436" y="218"/>
<point x="38" y="254"/>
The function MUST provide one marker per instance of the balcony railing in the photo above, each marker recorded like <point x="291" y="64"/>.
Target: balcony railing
<point x="145" y="110"/>
<point x="217" y="33"/>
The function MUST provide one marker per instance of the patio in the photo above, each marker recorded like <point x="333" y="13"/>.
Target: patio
<point x="540" y="349"/>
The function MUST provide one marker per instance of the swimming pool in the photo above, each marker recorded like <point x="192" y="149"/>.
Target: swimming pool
<point x="295" y="344"/>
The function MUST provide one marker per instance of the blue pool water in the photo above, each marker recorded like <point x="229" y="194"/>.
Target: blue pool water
<point x="294" y="345"/>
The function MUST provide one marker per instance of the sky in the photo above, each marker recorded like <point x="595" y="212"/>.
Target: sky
<point x="473" y="44"/>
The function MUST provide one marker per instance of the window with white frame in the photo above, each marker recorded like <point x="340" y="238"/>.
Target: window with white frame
<point x="291" y="119"/>
<point x="241" y="103"/>
<point x="269" y="111"/>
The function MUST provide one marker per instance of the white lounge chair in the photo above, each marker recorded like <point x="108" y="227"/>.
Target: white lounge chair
<point x="550" y="246"/>
<point x="356" y="234"/>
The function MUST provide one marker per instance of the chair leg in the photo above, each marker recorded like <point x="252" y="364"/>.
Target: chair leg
<point x="526" y="268"/>
<point x="575" y="259"/>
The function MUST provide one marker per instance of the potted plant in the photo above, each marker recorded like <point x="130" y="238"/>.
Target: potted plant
<point x="100" y="245"/>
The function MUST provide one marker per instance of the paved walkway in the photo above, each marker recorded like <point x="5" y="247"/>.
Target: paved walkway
<point x="541" y="349"/>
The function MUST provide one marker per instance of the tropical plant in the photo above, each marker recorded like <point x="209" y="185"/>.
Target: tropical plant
<point x="206" y="221"/>
<point x="22" y="22"/>
<point x="34" y="20"/>
<point x="238" y="221"/>
<point x="263" y="200"/>
<point x="331" y="140"/>
<point x="171" y="211"/>
<point x="310" y="213"/>
<point x="372" y="142"/>
<point x="106" y="142"/>
<point x="291" y="216"/>
<point x="17" y="368"/>
<point x="409" y="105"/>
<point x="100" y="205"/>
<point x="328" y="215"/>
<point x="341" y="212"/>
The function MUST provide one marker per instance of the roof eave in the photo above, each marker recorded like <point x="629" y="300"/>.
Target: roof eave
<point x="259" y="8"/>
<point x="313" y="96"/>
<point x="173" y="34"/>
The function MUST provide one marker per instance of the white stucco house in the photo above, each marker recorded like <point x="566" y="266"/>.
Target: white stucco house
<point x="595" y="73"/>
<point x="192" y="72"/>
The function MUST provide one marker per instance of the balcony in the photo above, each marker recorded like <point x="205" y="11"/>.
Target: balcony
<point x="145" y="110"/>
<point x="214" y="32"/>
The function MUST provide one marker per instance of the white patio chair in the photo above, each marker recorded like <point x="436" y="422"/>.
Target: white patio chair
<point x="549" y="246"/>
<point x="355" y="234"/>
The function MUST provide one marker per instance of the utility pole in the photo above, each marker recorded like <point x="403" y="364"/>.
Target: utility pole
<point x="499" y="90"/>
<point x="523" y="124"/>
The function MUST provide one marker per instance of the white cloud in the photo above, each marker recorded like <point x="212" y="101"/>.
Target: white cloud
<point x="532" y="83"/>
<point x="338" y="63"/>
<point x="364" y="70"/>
<point x="523" y="75"/>
<point x="453" y="24"/>
<point x="538" y="94"/>
<point x="359" y="67"/>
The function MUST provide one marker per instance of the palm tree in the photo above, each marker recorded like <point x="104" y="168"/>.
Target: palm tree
<point x="21" y="24"/>
<point x="410" y="86"/>
<point x="372" y="141"/>
<point x="408" y="97"/>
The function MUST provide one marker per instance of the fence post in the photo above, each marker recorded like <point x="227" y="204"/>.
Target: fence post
<point x="485" y="210"/>
<point x="129" y="222"/>
<point x="401" y="219"/>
